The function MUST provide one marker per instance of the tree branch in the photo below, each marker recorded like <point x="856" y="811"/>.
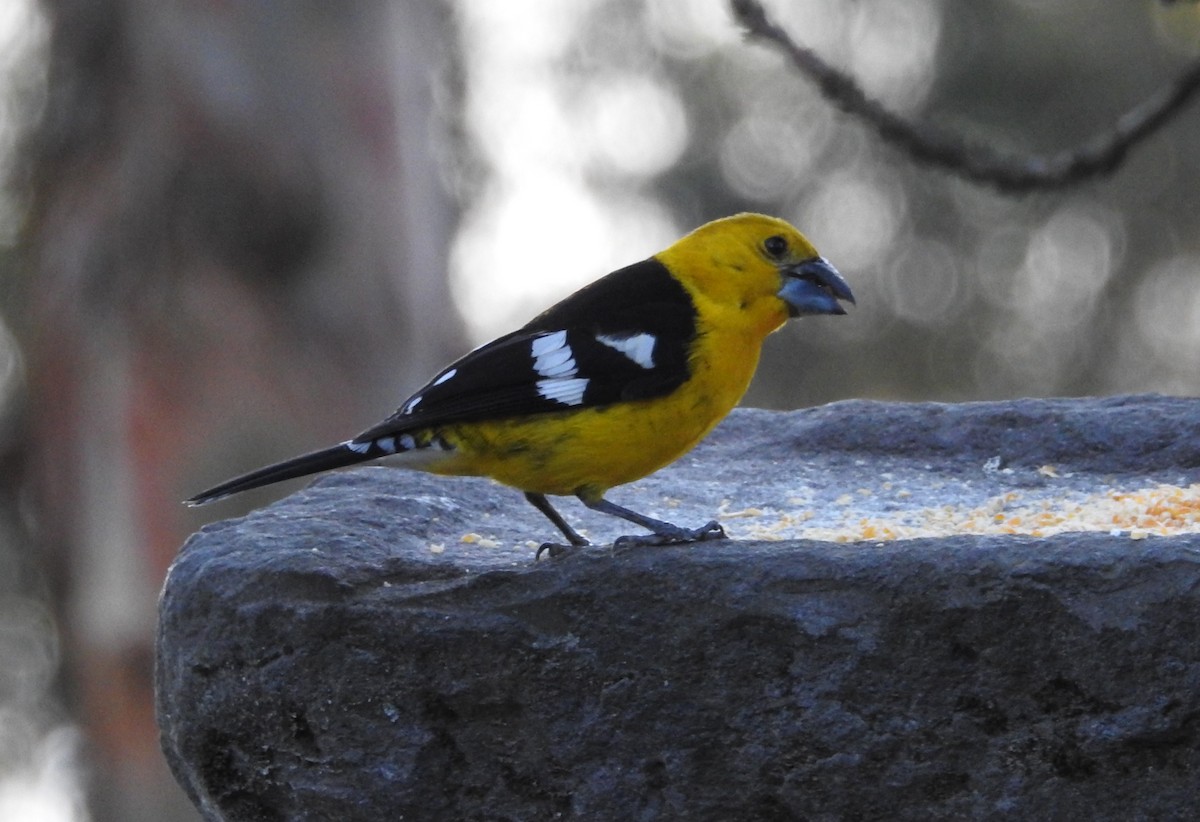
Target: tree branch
<point x="1100" y="155"/>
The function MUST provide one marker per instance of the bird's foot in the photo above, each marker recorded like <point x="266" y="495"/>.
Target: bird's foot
<point x="675" y="536"/>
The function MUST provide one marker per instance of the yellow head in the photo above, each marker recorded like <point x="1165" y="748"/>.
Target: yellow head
<point x="755" y="271"/>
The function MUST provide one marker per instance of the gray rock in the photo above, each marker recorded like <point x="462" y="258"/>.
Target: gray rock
<point x="343" y="654"/>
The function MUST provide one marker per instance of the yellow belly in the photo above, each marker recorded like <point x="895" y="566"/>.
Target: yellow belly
<point x="583" y="453"/>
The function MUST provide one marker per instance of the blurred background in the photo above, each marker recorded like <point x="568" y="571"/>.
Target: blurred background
<point x="233" y="230"/>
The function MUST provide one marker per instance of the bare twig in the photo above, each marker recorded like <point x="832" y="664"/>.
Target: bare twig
<point x="1100" y="155"/>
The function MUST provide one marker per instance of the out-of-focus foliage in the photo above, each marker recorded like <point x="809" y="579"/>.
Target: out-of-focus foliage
<point x="616" y="125"/>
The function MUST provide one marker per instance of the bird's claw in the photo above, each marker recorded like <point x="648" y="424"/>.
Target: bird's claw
<point x="712" y="530"/>
<point x="556" y="550"/>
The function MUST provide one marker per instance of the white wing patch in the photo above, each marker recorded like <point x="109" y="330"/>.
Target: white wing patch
<point x="448" y="375"/>
<point x="411" y="404"/>
<point x="639" y="347"/>
<point x="568" y="391"/>
<point x="552" y="357"/>
<point x="554" y="360"/>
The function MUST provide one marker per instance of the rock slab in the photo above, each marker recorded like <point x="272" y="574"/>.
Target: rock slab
<point x="343" y="654"/>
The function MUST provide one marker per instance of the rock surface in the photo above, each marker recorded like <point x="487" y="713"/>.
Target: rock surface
<point x="344" y="654"/>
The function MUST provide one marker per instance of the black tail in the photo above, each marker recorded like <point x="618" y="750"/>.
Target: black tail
<point x="336" y="457"/>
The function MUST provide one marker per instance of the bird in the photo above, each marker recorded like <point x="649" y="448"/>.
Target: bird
<point x="614" y="382"/>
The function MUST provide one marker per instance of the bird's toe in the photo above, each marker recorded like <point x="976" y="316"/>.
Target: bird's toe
<point x="555" y="550"/>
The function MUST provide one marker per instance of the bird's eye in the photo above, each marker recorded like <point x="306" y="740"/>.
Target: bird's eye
<point x="775" y="246"/>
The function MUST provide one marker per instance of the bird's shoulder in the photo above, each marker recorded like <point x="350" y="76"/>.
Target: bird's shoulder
<point x="644" y="296"/>
<point x="624" y="337"/>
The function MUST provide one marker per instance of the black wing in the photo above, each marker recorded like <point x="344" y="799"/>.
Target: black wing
<point x="624" y="337"/>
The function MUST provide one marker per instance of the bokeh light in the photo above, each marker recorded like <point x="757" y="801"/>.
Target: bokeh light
<point x="689" y="30"/>
<point x="1163" y="351"/>
<point x="635" y="125"/>
<point x="924" y="284"/>
<point x="1068" y="262"/>
<point x="855" y="217"/>
<point x="894" y="46"/>
<point x="771" y="149"/>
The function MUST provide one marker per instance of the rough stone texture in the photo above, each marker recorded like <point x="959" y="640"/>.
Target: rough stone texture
<point x="317" y="660"/>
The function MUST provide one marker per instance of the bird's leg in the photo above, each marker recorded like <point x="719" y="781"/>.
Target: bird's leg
<point x="664" y="533"/>
<point x="554" y="549"/>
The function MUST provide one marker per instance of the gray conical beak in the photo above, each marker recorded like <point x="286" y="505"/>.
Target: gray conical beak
<point x="814" y="287"/>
